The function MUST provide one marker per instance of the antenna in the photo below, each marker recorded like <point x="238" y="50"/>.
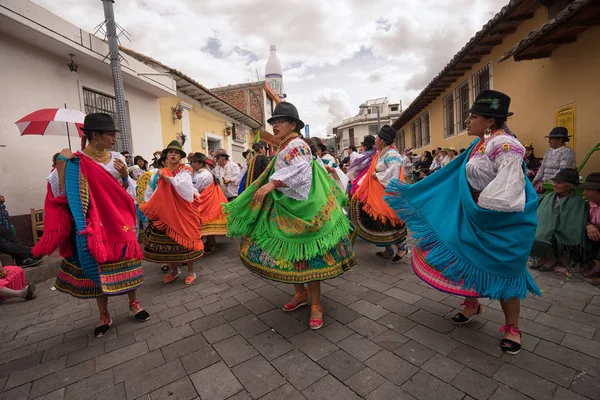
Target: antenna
<point x="257" y="78"/>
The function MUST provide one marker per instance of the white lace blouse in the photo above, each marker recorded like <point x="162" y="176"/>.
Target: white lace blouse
<point x="496" y="171"/>
<point x="202" y="179"/>
<point x="110" y="168"/>
<point x="292" y="167"/>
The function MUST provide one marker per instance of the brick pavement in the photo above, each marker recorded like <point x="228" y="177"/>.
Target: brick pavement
<point x="386" y="336"/>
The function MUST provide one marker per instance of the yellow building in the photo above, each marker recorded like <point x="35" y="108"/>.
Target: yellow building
<point x="551" y="75"/>
<point x="207" y="121"/>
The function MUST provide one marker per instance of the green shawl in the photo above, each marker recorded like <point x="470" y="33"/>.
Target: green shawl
<point x="286" y="228"/>
<point x="568" y="227"/>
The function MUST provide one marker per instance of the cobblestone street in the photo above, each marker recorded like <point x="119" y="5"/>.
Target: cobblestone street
<point x="386" y="336"/>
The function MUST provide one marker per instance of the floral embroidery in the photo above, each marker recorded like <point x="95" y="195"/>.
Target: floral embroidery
<point x="506" y="147"/>
<point x="295" y="152"/>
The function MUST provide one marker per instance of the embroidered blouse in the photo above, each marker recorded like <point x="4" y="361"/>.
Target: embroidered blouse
<point x="292" y="167"/>
<point x="388" y="165"/>
<point x="110" y="168"/>
<point x="555" y="160"/>
<point x="182" y="182"/>
<point x="202" y="179"/>
<point x="495" y="169"/>
<point x="338" y="176"/>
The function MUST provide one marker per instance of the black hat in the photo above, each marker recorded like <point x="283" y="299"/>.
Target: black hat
<point x="569" y="175"/>
<point x="199" y="157"/>
<point x="174" y="145"/>
<point x="387" y="133"/>
<point x="559" y="132"/>
<point x="368" y="141"/>
<point x="99" y="122"/>
<point x="491" y="103"/>
<point x="287" y="110"/>
<point x="592" y="181"/>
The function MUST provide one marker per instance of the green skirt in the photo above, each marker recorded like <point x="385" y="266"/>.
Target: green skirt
<point x="331" y="264"/>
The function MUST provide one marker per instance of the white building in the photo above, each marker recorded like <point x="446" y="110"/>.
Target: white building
<point x="35" y="46"/>
<point x="352" y="130"/>
<point x="274" y="73"/>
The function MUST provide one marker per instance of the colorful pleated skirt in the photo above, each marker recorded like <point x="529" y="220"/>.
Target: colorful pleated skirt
<point x="331" y="264"/>
<point x="373" y="231"/>
<point x="115" y="279"/>
<point x="160" y="248"/>
<point x="435" y="278"/>
<point x="215" y="228"/>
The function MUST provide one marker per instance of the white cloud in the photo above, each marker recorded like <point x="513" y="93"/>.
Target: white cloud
<point x="335" y="54"/>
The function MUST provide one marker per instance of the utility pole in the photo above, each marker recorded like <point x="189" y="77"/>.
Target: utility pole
<point x="115" y="66"/>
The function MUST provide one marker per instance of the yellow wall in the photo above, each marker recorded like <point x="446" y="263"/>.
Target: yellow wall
<point x="201" y="120"/>
<point x="537" y="89"/>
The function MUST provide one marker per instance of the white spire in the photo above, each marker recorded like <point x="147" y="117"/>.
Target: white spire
<point x="273" y="68"/>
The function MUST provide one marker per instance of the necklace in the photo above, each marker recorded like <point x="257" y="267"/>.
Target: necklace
<point x="288" y="138"/>
<point x="102" y="157"/>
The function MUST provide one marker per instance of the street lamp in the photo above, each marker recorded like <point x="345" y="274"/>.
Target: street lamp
<point x="364" y="106"/>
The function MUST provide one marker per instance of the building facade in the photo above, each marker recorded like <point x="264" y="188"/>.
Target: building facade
<point x="35" y="48"/>
<point x="544" y="57"/>
<point x="352" y="130"/>
<point x="207" y="121"/>
<point x="256" y="99"/>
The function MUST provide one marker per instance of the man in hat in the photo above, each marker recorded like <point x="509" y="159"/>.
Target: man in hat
<point x="557" y="157"/>
<point x="228" y="173"/>
<point x="532" y="164"/>
<point x="591" y="191"/>
<point x="408" y="164"/>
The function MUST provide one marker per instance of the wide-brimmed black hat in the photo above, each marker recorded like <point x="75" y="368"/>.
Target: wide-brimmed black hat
<point x="559" y="132"/>
<point x="491" y="103"/>
<point x="569" y="175"/>
<point x="287" y="110"/>
<point x="174" y="145"/>
<point x="592" y="181"/>
<point x="99" y="122"/>
<point x="387" y="133"/>
<point x="368" y="141"/>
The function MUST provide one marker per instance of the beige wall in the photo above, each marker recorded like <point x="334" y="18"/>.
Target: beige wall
<point x="537" y="89"/>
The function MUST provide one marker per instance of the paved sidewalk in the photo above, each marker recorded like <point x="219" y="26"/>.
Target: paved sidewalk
<point x="387" y="336"/>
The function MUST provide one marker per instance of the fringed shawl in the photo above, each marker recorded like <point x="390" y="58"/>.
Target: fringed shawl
<point x="484" y="249"/>
<point x="179" y="218"/>
<point x="290" y="229"/>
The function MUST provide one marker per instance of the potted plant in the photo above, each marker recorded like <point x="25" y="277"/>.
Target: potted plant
<point x="228" y="130"/>
<point x="177" y="109"/>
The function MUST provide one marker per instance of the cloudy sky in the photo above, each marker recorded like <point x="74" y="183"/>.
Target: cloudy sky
<point x="335" y="54"/>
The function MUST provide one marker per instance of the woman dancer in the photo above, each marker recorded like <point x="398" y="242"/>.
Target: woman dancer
<point x="290" y="219"/>
<point x="173" y="235"/>
<point x="214" y="222"/>
<point x="359" y="167"/>
<point x="476" y="243"/>
<point x="373" y="219"/>
<point x="256" y="165"/>
<point x="90" y="216"/>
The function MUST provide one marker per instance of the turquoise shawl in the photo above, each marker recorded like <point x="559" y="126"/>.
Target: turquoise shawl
<point x="485" y="249"/>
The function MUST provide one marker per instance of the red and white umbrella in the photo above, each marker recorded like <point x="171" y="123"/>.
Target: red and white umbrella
<point x="52" y="121"/>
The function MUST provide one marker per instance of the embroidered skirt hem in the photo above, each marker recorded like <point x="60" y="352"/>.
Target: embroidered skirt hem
<point x="116" y="278"/>
<point x="332" y="264"/>
<point x="376" y="232"/>
<point x="160" y="248"/>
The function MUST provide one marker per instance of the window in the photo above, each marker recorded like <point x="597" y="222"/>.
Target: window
<point x="449" y="115"/>
<point x="462" y="106"/>
<point x="373" y="130"/>
<point x="268" y="107"/>
<point x="481" y="80"/>
<point x="239" y="133"/>
<point x="401" y="140"/>
<point x="394" y="108"/>
<point x="94" y="102"/>
<point x="421" y="134"/>
<point x="425" y="132"/>
<point x="351" y="135"/>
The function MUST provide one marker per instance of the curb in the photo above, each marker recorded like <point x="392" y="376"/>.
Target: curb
<point x="43" y="272"/>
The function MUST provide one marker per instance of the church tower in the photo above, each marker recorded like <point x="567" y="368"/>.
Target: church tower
<point x="274" y="74"/>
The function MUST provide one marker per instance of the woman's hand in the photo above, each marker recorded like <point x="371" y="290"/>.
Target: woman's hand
<point x="593" y="233"/>
<point x="260" y="194"/>
<point x="121" y="168"/>
<point x="374" y="175"/>
<point x="539" y="186"/>
<point x="68" y="154"/>
<point x="164" y="177"/>
<point x="2" y="272"/>
<point x="329" y="169"/>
